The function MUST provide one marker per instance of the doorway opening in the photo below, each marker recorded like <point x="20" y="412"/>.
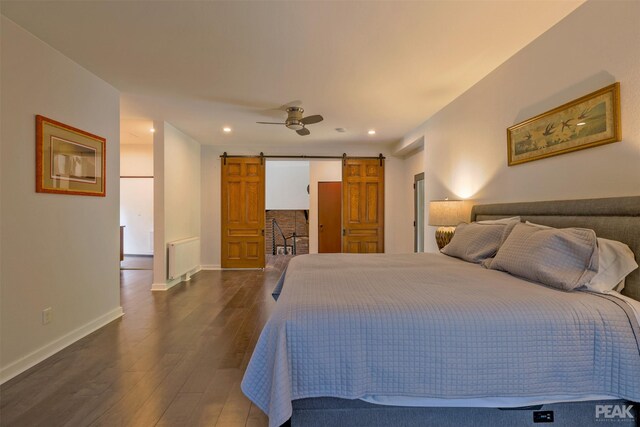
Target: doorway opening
<point x="253" y="189"/>
<point x="419" y="206"/>
<point x="136" y="195"/>
<point x="287" y="207"/>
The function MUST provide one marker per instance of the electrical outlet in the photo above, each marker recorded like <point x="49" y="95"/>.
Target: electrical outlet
<point x="542" y="416"/>
<point x="47" y="315"/>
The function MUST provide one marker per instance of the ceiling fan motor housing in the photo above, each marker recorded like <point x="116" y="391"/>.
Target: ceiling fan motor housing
<point x="294" y="117"/>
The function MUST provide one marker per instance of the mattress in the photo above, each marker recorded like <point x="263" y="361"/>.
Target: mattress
<point x="431" y="326"/>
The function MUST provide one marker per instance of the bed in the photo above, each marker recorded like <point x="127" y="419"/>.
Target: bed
<point x="424" y="339"/>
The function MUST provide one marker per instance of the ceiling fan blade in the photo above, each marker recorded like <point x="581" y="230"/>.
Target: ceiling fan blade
<point x="309" y="120"/>
<point x="303" y="132"/>
<point x="270" y="123"/>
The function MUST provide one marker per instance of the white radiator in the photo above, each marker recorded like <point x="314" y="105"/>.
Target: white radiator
<point x="184" y="257"/>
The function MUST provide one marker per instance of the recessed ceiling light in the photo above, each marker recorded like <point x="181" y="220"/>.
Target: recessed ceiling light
<point x="371" y="132"/>
<point x="152" y="130"/>
<point x="580" y="124"/>
<point x="226" y="129"/>
<point x="341" y="130"/>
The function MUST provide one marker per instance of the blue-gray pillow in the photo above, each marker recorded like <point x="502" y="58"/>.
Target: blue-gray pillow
<point x="564" y="258"/>
<point x="477" y="242"/>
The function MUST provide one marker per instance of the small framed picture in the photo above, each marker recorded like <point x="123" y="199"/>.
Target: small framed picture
<point x="69" y="160"/>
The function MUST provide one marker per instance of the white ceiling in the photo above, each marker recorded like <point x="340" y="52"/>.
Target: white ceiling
<point x="387" y="65"/>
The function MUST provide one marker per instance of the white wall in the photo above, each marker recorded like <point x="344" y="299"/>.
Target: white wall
<point x="465" y="143"/>
<point x="136" y="198"/>
<point x="319" y="171"/>
<point x="413" y="165"/>
<point x="136" y="160"/>
<point x="286" y="184"/>
<point x="396" y="216"/>
<point x="395" y="242"/>
<point x="177" y="195"/>
<point x="210" y="198"/>
<point x="59" y="251"/>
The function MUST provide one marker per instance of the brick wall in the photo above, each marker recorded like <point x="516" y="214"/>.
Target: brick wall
<point x="288" y="220"/>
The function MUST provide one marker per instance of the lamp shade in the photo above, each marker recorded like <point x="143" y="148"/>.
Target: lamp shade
<point x="447" y="212"/>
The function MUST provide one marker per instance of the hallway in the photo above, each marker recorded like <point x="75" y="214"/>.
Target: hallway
<point x="176" y="358"/>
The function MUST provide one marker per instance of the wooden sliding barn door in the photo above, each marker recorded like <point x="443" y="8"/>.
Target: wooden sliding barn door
<point x="363" y="205"/>
<point x="243" y="213"/>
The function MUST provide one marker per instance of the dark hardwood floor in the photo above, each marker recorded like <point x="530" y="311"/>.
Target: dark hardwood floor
<point x="137" y="262"/>
<point x="176" y="358"/>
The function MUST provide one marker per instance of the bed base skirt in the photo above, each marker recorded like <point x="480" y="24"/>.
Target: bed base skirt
<point x="326" y="411"/>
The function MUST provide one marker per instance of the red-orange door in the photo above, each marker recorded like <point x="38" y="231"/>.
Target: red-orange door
<point x="329" y="217"/>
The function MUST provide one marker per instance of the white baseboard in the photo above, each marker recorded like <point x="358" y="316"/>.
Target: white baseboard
<point x="33" y="358"/>
<point x="219" y="267"/>
<point x="171" y="283"/>
<point x="166" y="285"/>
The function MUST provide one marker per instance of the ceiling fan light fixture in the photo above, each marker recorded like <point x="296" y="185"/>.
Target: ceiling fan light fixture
<point x="295" y="121"/>
<point x="294" y="124"/>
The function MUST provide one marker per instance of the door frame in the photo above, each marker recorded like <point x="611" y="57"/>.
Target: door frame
<point x="416" y="178"/>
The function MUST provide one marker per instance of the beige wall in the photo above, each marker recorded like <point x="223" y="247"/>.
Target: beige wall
<point x="58" y="251"/>
<point x="177" y="193"/>
<point x="465" y="143"/>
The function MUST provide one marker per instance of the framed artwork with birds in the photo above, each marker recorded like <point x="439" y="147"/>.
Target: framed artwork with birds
<point x="589" y="121"/>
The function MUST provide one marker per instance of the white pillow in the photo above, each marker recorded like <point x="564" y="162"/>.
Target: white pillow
<point x="615" y="262"/>
<point x="500" y="221"/>
<point x="537" y="225"/>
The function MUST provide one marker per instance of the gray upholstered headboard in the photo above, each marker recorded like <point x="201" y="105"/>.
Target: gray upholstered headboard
<point x="616" y="218"/>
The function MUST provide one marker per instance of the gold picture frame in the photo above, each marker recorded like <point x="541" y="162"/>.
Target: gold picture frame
<point x="589" y="121"/>
<point x="69" y="160"/>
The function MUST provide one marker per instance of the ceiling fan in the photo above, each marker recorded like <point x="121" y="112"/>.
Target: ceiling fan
<point x="296" y="122"/>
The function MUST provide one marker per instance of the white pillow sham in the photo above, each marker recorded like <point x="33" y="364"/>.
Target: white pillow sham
<point x="500" y="221"/>
<point x="616" y="261"/>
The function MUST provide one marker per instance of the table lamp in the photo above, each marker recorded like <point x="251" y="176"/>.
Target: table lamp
<point x="446" y="214"/>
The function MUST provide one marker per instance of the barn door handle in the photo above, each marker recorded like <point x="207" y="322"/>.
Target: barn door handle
<point x="263" y="231"/>
<point x="321" y="227"/>
<point x="344" y="232"/>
